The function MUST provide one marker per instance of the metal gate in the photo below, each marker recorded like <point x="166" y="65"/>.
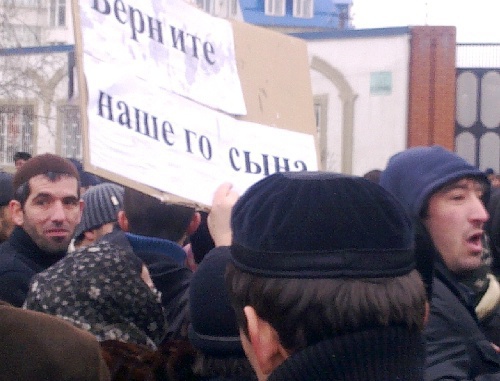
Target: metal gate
<point x="477" y="122"/>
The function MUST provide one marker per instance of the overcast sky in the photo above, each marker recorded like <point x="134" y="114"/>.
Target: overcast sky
<point x="476" y="21"/>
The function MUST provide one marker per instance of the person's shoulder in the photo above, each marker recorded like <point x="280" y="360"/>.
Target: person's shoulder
<point x="48" y="343"/>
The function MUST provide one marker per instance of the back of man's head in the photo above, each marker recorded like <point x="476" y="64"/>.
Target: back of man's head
<point x="213" y="330"/>
<point x="317" y="255"/>
<point x="102" y="204"/>
<point x="21" y="157"/>
<point x="149" y="216"/>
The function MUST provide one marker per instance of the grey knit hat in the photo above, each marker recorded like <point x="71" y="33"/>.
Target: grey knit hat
<point x="102" y="204"/>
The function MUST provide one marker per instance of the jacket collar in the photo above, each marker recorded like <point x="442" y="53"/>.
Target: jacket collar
<point x="24" y="245"/>
<point x="377" y="354"/>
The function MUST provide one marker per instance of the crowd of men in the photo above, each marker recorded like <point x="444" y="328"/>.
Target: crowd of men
<point x="305" y="276"/>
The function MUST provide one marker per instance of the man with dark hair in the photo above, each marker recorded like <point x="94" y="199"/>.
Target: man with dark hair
<point x="323" y="280"/>
<point x="46" y="209"/>
<point x="168" y="221"/>
<point x="444" y="196"/>
<point x="20" y="158"/>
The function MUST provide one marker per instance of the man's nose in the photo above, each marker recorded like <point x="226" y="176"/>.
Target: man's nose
<point x="478" y="211"/>
<point x="58" y="213"/>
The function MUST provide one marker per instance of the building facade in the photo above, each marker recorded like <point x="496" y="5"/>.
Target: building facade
<point x="39" y="109"/>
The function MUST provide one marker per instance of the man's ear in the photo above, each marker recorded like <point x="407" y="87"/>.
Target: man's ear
<point x="90" y="235"/>
<point x="123" y="221"/>
<point x="81" y="203"/>
<point x="264" y="341"/>
<point x="194" y="224"/>
<point x="17" y="212"/>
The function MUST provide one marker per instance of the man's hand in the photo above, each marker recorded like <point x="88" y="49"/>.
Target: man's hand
<point x="219" y="218"/>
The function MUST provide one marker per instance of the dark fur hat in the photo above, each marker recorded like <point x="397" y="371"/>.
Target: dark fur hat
<point x="321" y="225"/>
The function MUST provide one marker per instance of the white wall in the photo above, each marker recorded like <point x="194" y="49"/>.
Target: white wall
<point x="380" y="121"/>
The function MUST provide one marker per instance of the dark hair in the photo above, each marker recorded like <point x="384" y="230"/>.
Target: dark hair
<point x="373" y="175"/>
<point x="23" y="191"/>
<point x="306" y="311"/>
<point x="20" y="155"/>
<point x="151" y="217"/>
<point x="133" y="362"/>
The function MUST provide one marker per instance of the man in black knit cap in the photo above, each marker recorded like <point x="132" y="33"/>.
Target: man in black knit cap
<point x="322" y="280"/>
<point x="444" y="195"/>
<point x="46" y="209"/>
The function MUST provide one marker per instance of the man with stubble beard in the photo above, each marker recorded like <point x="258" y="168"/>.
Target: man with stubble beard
<point x="444" y="196"/>
<point x="46" y="209"/>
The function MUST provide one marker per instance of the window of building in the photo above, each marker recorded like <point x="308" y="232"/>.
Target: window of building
<point x="274" y="7"/>
<point x="21" y="3"/>
<point x="206" y="5"/>
<point x="70" y="137"/>
<point x="220" y="8"/>
<point x="303" y="8"/>
<point x="57" y="13"/>
<point x="16" y="131"/>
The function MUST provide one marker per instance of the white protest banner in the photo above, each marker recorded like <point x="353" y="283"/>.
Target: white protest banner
<point x="169" y="43"/>
<point x="155" y="137"/>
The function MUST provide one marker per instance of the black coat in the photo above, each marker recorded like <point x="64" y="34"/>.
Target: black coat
<point x="457" y="348"/>
<point x="20" y="260"/>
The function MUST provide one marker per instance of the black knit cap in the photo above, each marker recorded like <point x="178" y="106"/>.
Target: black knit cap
<point x="320" y="225"/>
<point x="41" y="165"/>
<point x="213" y="329"/>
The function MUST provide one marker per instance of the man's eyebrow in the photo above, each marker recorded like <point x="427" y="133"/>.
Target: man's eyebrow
<point x="42" y="194"/>
<point x="70" y="198"/>
<point x="477" y="186"/>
